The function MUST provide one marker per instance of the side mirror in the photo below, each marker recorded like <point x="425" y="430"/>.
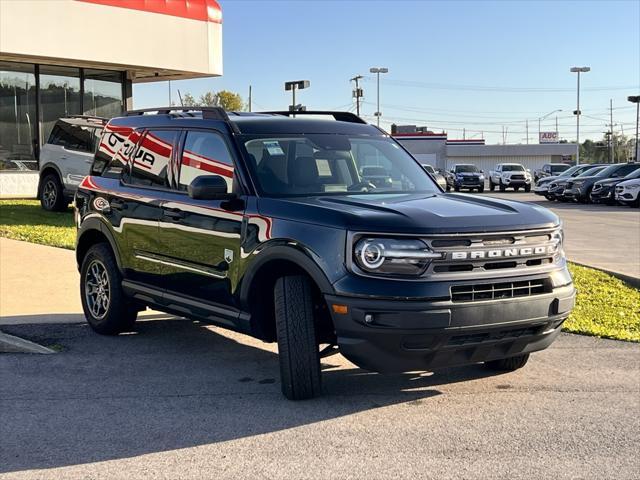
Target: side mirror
<point x="209" y="187"/>
<point x="481" y="171"/>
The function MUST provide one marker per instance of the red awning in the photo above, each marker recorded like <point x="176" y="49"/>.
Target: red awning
<point x="203" y="10"/>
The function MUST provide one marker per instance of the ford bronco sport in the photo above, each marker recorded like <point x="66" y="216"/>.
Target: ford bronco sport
<point x="266" y="224"/>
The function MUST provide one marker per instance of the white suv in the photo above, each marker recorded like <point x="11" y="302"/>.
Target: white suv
<point x="66" y="159"/>
<point x="627" y="192"/>
<point x="510" y="175"/>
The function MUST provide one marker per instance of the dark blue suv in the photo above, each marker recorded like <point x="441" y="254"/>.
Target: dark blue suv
<point x="318" y="234"/>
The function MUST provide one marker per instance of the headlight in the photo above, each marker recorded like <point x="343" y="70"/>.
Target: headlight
<point x="481" y="177"/>
<point x="632" y="188"/>
<point x="393" y="256"/>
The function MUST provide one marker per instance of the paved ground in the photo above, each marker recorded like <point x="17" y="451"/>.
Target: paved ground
<point x="180" y="400"/>
<point x="603" y="236"/>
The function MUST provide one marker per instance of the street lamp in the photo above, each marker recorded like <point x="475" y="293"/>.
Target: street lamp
<point x="378" y="71"/>
<point x="297" y="84"/>
<point x="636" y="99"/>
<point x="578" y="70"/>
<point x="542" y="118"/>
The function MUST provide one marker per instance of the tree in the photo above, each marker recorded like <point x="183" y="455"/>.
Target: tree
<point x="224" y="98"/>
<point x="598" y="151"/>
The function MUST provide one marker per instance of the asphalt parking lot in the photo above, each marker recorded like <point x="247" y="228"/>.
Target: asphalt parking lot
<point x="181" y="400"/>
<point x="602" y="236"/>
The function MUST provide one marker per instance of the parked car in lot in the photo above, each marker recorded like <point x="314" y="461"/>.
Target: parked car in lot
<point x="579" y="189"/>
<point x="465" y="176"/>
<point x="440" y="180"/>
<point x="262" y="223"/>
<point x="549" y="169"/>
<point x="542" y="185"/>
<point x="604" y="191"/>
<point x="510" y="175"/>
<point x="66" y="159"/>
<point x="555" y="190"/>
<point x="627" y="192"/>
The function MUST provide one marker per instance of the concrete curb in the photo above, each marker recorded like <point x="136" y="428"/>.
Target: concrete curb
<point x="633" y="281"/>
<point x="11" y="344"/>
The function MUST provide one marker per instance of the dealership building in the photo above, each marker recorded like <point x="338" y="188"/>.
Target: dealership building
<point x="442" y="152"/>
<point x="81" y="57"/>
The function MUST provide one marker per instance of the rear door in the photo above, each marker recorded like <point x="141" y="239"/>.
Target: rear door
<point x="71" y="148"/>
<point x="201" y="238"/>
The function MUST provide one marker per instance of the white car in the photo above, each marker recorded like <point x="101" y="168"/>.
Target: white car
<point x="66" y="159"/>
<point x="510" y="175"/>
<point x="627" y="192"/>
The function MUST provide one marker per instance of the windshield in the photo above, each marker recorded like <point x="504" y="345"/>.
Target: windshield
<point x="592" y="172"/>
<point x="512" y="168"/>
<point x="558" y="168"/>
<point x="632" y="175"/>
<point x="466" y="169"/>
<point x="328" y="164"/>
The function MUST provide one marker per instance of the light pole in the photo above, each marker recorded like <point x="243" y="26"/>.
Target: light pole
<point x="578" y="70"/>
<point x="542" y="118"/>
<point x="636" y="99"/>
<point x="378" y="71"/>
<point x="296" y="84"/>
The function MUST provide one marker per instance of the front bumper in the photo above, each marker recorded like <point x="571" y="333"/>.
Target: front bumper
<point x="406" y="335"/>
<point x="473" y="183"/>
<point x="602" y="195"/>
<point x="573" y="193"/>
<point x="541" y="189"/>
<point x="510" y="182"/>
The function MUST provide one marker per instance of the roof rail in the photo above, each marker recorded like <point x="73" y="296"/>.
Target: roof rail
<point x="88" y="117"/>
<point x="339" y="116"/>
<point x="208" y="113"/>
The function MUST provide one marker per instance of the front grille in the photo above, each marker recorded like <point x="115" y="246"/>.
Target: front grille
<point x="568" y="186"/>
<point x="498" y="291"/>
<point x="517" y="177"/>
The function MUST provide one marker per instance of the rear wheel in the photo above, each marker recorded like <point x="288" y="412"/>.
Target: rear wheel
<point x="527" y="188"/>
<point x="52" y="194"/>
<point x="106" y="307"/>
<point x="456" y="188"/>
<point x="492" y="186"/>
<point x="297" y="344"/>
<point x="502" y="186"/>
<point x="508" y="364"/>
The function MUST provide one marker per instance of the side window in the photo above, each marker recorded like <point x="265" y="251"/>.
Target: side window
<point x="72" y="137"/>
<point x="205" y="153"/>
<point x="150" y="163"/>
<point x="626" y="170"/>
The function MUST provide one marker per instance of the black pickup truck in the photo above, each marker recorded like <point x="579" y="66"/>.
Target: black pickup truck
<point x="267" y="224"/>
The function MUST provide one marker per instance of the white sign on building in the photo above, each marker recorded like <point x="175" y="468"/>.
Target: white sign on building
<point x="548" y="137"/>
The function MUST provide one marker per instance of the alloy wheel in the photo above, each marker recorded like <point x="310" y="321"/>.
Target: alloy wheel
<point x="97" y="289"/>
<point x="49" y="194"/>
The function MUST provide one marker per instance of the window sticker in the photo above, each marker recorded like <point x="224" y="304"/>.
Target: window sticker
<point x="273" y="147"/>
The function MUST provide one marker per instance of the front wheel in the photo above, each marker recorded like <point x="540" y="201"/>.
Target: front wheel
<point x="52" y="194"/>
<point x="527" y="188"/>
<point x="508" y="364"/>
<point x="481" y="189"/>
<point x="106" y="307"/>
<point x="297" y="345"/>
<point x="456" y="188"/>
<point x="492" y="186"/>
<point x="502" y="186"/>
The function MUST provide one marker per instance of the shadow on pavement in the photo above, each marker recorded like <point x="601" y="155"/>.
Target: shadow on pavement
<point x="171" y="384"/>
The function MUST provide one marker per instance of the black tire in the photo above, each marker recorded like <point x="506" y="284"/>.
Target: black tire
<point x="502" y="187"/>
<point x="52" y="194"/>
<point x="549" y="197"/>
<point x="508" y="364"/>
<point x="119" y="314"/>
<point x="457" y="189"/>
<point x="448" y="189"/>
<point x="515" y="189"/>
<point x="492" y="186"/>
<point x="527" y="188"/>
<point x="481" y="189"/>
<point x="298" y="350"/>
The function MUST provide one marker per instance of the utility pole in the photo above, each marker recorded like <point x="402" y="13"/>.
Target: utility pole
<point x="557" y="134"/>
<point x="249" y="97"/>
<point x="169" y="93"/>
<point x="378" y="71"/>
<point x="464" y="133"/>
<point x="358" y="93"/>
<point x="636" y="99"/>
<point x="527" y="127"/>
<point x="612" y="151"/>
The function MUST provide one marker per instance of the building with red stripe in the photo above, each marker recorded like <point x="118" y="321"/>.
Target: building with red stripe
<point x="84" y="60"/>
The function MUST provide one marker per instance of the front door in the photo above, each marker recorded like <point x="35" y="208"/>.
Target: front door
<point x="201" y="238"/>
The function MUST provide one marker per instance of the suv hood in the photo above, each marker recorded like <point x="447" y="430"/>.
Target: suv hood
<point x="609" y="181"/>
<point x="410" y="213"/>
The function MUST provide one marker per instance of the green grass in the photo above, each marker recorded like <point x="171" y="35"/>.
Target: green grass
<point x="605" y="307"/>
<point x="26" y="220"/>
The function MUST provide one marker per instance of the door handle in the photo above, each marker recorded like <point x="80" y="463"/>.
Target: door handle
<point x="173" y="213"/>
<point x="118" y="205"/>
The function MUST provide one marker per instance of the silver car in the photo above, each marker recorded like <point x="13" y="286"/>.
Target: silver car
<point x="439" y="179"/>
<point x="66" y="159"/>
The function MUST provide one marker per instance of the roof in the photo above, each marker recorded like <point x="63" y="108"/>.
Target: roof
<point x="251" y="123"/>
<point x="544" y="149"/>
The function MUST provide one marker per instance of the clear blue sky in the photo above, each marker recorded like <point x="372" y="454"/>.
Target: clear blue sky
<point x="452" y="65"/>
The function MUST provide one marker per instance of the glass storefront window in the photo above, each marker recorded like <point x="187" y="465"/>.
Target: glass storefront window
<point x="59" y="96"/>
<point x="102" y="93"/>
<point x="17" y="117"/>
